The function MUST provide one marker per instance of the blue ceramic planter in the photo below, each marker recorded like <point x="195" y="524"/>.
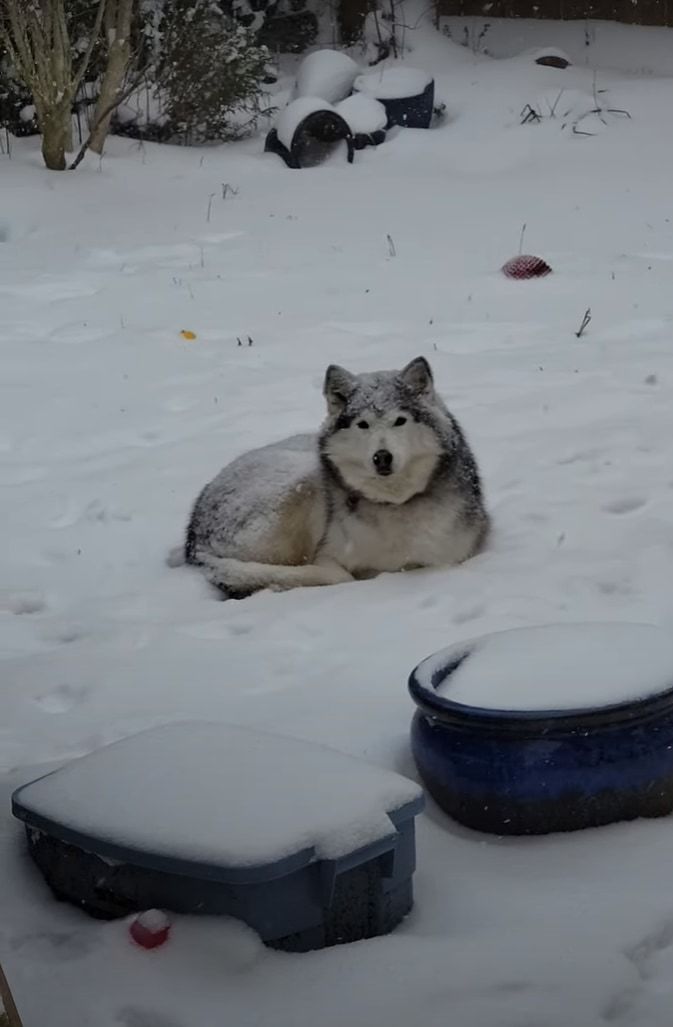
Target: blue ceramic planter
<point x="534" y="772"/>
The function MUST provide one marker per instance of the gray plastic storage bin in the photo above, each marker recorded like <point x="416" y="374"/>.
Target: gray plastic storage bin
<point x="298" y="902"/>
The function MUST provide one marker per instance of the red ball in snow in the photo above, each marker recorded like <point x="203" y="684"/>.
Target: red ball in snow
<point x="526" y="266"/>
<point x="150" y="929"/>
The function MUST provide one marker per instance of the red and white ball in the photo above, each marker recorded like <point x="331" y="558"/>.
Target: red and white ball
<point x="150" y="929"/>
<point x="526" y="266"/>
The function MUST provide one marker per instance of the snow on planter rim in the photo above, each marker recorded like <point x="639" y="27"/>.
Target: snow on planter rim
<point x="393" y="83"/>
<point x="221" y="795"/>
<point x="326" y="73"/>
<point x="554" y="668"/>
<point x="363" y="113"/>
<point x="292" y="116"/>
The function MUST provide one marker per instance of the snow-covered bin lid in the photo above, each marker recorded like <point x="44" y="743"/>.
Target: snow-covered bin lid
<point x="393" y="83"/>
<point x="545" y="53"/>
<point x="218" y="801"/>
<point x="553" y="667"/>
<point x="363" y="113"/>
<point x="326" y="73"/>
<point x="292" y="116"/>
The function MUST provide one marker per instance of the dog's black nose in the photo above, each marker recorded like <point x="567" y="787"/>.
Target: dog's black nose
<point x="383" y="461"/>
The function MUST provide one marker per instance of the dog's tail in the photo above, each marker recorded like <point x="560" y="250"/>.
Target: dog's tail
<point x="240" y="578"/>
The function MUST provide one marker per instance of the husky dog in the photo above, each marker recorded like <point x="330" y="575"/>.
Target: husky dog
<point x="388" y="484"/>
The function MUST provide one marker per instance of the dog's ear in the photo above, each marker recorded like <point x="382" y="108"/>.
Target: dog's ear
<point x="417" y="376"/>
<point x="339" y="386"/>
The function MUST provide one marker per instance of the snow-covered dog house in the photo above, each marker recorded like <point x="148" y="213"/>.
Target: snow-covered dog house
<point x="306" y="845"/>
<point x="366" y="117"/>
<point x="333" y="101"/>
<point x="306" y="131"/>
<point x="310" y="126"/>
<point x="329" y="74"/>
<point x="407" y="94"/>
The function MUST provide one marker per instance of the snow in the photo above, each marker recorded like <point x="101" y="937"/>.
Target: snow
<point x="547" y="51"/>
<point x="557" y="666"/>
<point x="111" y="422"/>
<point x="600" y="45"/>
<point x="212" y="793"/>
<point x="362" y="113"/>
<point x="328" y="74"/>
<point x="292" y="116"/>
<point x="154" y="920"/>
<point x="393" y="83"/>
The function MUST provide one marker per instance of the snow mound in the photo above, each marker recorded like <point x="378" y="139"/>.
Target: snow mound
<point x="154" y="920"/>
<point x="292" y="116"/>
<point x="535" y="53"/>
<point x="228" y="796"/>
<point x="393" y="83"/>
<point x="557" y="667"/>
<point x="328" y="74"/>
<point x="363" y="113"/>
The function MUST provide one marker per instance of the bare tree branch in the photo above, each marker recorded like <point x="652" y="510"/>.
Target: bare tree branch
<point x="86" y="59"/>
<point x="104" y="113"/>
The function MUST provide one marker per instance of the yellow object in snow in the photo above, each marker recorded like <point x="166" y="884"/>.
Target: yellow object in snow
<point x="188" y="335"/>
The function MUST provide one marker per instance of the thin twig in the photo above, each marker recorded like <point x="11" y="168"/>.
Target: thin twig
<point x="523" y="232"/>
<point x="391" y="246"/>
<point x="552" y="109"/>
<point x="529" y="113"/>
<point x="78" y="77"/>
<point x="585" y="322"/>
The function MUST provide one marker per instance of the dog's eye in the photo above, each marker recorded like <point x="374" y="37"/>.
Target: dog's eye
<point x="363" y="425"/>
<point x="399" y="422"/>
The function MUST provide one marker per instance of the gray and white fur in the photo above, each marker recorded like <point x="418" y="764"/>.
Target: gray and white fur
<point x="388" y="484"/>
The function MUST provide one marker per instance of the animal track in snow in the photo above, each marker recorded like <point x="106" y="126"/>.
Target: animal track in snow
<point x="171" y="255"/>
<point x="628" y="504"/>
<point x="136" y="1016"/>
<point x="640" y="956"/>
<point x="56" y="945"/>
<point x="50" y="289"/>
<point x="469" y="613"/>
<point x="615" y="587"/>
<point x="578" y="456"/>
<point x="62" y="698"/>
<point x="21" y="603"/>
<point x="644" y="950"/>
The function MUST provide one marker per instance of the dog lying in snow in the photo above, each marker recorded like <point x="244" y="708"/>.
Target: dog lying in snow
<point x="388" y="484"/>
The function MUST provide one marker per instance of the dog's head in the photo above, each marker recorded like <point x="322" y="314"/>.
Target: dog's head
<point x="381" y="435"/>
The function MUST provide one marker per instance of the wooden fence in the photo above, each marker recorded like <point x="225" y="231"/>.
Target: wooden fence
<point x="632" y="12"/>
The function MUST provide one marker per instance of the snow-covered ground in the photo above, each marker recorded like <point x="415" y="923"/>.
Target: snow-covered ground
<point x="111" y="421"/>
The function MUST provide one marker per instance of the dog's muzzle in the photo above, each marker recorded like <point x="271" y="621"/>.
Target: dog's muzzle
<point x="383" y="462"/>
